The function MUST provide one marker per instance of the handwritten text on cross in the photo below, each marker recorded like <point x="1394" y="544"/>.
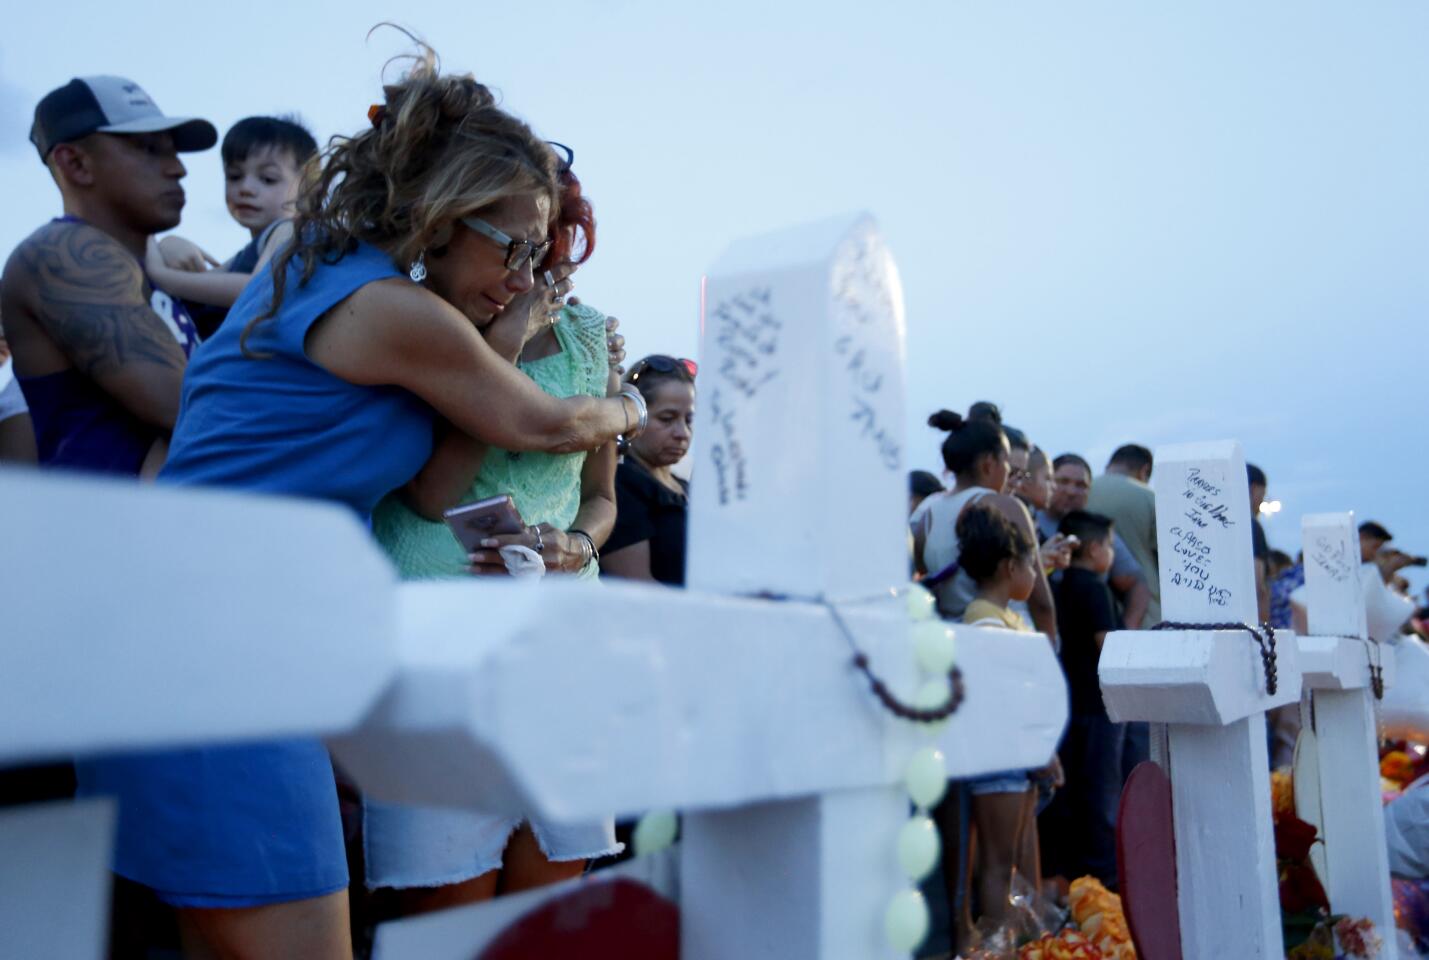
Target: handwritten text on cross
<point x="746" y="328"/>
<point x="1204" y="509"/>
<point x="862" y="298"/>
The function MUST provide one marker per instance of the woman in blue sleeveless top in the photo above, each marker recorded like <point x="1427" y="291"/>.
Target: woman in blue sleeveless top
<point x="406" y="295"/>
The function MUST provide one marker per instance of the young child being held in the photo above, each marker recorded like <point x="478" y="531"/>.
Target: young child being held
<point x="263" y="163"/>
<point x="1002" y="562"/>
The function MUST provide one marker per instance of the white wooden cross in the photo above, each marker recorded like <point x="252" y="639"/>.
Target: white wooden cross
<point x="740" y="709"/>
<point x="135" y="618"/>
<point x="1342" y="796"/>
<point x="733" y="701"/>
<point x="1210" y="689"/>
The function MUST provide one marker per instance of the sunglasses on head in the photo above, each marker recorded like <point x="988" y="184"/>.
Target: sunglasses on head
<point x="663" y="364"/>
<point x="565" y="155"/>
<point x="519" y="253"/>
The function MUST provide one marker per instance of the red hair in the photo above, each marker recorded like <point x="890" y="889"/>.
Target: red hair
<point x="574" y="217"/>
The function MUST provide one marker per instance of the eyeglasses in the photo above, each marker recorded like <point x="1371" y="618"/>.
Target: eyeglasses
<point x="663" y="364"/>
<point x="1015" y="475"/>
<point x="560" y="148"/>
<point x="519" y="253"/>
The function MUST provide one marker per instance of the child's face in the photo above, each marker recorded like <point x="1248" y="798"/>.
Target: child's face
<point x="262" y="188"/>
<point x="1097" y="556"/>
<point x="1023" y="577"/>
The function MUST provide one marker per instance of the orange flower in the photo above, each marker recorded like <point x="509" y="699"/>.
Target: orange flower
<point x="1087" y="896"/>
<point x="1397" y="766"/>
<point x="1067" y="945"/>
<point x="1098" y="912"/>
<point x="1282" y="792"/>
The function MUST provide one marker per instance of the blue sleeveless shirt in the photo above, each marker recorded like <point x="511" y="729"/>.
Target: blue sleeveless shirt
<point x="79" y="426"/>
<point x="252" y="824"/>
<point x="284" y="424"/>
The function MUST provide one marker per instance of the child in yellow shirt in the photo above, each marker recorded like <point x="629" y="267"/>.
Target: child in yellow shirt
<point x="1000" y="559"/>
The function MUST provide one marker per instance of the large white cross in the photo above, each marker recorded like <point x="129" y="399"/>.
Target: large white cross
<point x="1342" y="795"/>
<point x="739" y="709"/>
<point x="1209" y="688"/>
<point x="134" y="618"/>
<point x="224" y="616"/>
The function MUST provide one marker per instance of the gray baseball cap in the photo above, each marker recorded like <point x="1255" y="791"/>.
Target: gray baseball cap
<point x="88" y="105"/>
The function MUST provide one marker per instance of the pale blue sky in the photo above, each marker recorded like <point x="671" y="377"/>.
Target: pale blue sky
<point x="1122" y="221"/>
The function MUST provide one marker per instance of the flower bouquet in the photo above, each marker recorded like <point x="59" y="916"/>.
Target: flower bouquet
<point x="1098" y="914"/>
<point x="1400" y="764"/>
<point x="1339" y="938"/>
<point x="1069" y="944"/>
<point x="1096" y="928"/>
<point x="1311" y="932"/>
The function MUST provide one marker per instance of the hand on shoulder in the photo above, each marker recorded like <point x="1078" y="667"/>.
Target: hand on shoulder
<point x="176" y="253"/>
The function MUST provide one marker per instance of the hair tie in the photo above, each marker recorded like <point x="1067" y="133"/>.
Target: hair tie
<point x="376" y="114"/>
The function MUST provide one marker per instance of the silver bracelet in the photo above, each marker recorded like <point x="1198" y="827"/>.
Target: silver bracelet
<point x="633" y="393"/>
<point x="642" y="411"/>
<point x="588" y="550"/>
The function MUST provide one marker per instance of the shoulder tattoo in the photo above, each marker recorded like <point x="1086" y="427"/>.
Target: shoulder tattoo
<point x="90" y="297"/>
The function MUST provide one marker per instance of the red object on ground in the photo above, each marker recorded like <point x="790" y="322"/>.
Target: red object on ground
<point x="1300" y="889"/>
<point x="1146" y="864"/>
<point x="618" y="920"/>
<point x="1294" y="838"/>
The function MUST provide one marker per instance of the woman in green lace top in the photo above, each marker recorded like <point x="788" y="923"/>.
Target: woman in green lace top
<point x="424" y="858"/>
<point x="557" y="492"/>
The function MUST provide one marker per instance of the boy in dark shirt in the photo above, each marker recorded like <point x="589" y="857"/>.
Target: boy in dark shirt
<point x="1085" y="824"/>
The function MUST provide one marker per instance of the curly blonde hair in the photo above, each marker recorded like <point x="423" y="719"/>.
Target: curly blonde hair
<point x="439" y="148"/>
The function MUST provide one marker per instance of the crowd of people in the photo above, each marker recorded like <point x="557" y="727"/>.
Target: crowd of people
<point x="1024" y="541"/>
<point x="396" y="335"/>
<point x="1014" y="542"/>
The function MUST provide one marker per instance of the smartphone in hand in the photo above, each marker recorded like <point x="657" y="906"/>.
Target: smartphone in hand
<point x="472" y="523"/>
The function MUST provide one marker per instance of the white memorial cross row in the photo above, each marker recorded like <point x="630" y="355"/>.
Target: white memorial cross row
<point x="577" y="700"/>
<point x="1209" y="688"/>
<point x="1340" y="663"/>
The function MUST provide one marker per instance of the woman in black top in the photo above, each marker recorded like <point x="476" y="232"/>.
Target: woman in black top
<point x="648" y="542"/>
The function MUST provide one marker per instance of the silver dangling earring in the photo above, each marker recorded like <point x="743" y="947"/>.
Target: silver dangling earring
<point x="418" y="270"/>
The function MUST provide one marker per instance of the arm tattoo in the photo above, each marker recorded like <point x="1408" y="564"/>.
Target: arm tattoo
<point x="91" y="297"/>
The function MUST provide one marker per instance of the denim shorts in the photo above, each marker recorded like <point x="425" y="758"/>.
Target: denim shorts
<point x="408" y="846"/>
<point x="1008" y="781"/>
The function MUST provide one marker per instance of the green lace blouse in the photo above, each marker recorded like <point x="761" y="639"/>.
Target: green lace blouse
<point x="545" y="486"/>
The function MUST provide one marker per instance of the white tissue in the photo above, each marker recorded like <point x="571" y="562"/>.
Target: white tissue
<point x="523" y="561"/>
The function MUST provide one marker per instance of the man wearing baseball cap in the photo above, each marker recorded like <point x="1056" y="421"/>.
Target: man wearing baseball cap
<point x="99" y="352"/>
